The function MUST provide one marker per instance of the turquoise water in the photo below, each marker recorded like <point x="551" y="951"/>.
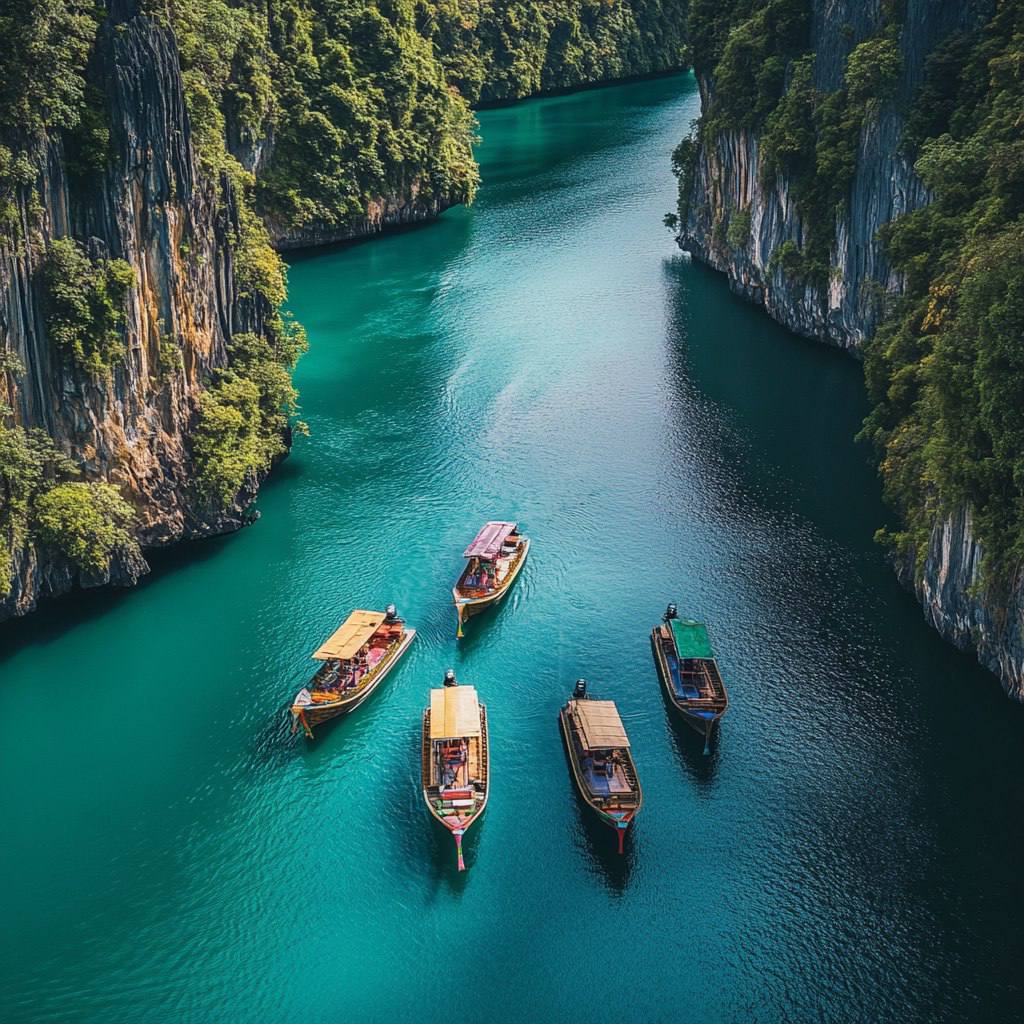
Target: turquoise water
<point x="849" y="851"/>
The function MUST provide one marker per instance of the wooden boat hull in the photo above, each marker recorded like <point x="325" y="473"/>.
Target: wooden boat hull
<point x="457" y="827"/>
<point x="312" y="715"/>
<point x="617" y="820"/>
<point x="467" y="607"/>
<point x="701" y="717"/>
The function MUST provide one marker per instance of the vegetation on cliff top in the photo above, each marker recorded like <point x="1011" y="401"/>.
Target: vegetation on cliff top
<point x="757" y="57"/>
<point x="345" y="97"/>
<point x="42" y="84"/>
<point x="495" y="50"/>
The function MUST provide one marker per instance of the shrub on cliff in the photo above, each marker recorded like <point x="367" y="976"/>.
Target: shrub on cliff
<point x="245" y="414"/>
<point x="87" y="523"/>
<point x="29" y="463"/>
<point x="83" y="303"/>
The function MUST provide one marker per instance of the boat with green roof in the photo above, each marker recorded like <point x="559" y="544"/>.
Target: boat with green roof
<point x="689" y="672"/>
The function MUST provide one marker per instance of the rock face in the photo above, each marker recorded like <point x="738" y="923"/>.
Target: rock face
<point x="991" y="624"/>
<point x="728" y="179"/>
<point x="151" y="208"/>
<point x="845" y="312"/>
<point x="382" y="214"/>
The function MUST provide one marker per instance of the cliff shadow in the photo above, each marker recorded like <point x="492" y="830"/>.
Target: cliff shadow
<point x="56" y="616"/>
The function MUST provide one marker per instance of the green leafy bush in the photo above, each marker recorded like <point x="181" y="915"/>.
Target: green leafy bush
<point x="83" y="302"/>
<point x="85" y="522"/>
<point x="29" y="462"/>
<point x="245" y="414"/>
<point x="872" y="70"/>
<point x="738" y="233"/>
<point x="750" y="75"/>
<point x="684" y="167"/>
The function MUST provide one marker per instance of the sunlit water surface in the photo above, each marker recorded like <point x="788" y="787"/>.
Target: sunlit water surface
<point x="850" y="851"/>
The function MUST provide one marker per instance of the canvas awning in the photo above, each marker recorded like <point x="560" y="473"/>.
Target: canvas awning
<point x="489" y="540"/>
<point x="691" y="639"/>
<point x="454" y="713"/>
<point x="600" y="724"/>
<point x="350" y="636"/>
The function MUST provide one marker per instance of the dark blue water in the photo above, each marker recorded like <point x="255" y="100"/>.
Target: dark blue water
<point x="851" y="849"/>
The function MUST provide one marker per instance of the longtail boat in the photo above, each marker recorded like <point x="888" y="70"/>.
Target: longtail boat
<point x="356" y="658"/>
<point x="689" y="672"/>
<point x="495" y="559"/>
<point x="455" y="758"/>
<point x="601" y="762"/>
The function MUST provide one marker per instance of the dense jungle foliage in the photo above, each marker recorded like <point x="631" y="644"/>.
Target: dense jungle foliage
<point x="495" y="50"/>
<point x="945" y="370"/>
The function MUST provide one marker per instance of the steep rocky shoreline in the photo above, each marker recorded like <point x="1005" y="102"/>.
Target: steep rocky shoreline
<point x="728" y="180"/>
<point x="151" y="208"/>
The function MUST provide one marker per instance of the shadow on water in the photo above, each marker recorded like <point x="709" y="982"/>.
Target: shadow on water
<point x="319" y="252"/>
<point x="689" y="746"/>
<point x="598" y="843"/>
<point x="441" y="856"/>
<point x="477" y="630"/>
<point x="58" y="616"/>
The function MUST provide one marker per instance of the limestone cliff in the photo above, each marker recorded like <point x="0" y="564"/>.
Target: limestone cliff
<point x="150" y="207"/>
<point x="740" y="220"/>
<point x="728" y="178"/>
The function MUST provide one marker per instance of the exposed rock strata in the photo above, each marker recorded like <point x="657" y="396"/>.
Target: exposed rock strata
<point x="990" y="624"/>
<point x="845" y="313"/>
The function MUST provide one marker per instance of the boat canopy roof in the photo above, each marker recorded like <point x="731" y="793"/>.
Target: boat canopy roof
<point x="454" y="713"/>
<point x="600" y="724"/>
<point x="691" y="639"/>
<point x="350" y="636"/>
<point x="489" y="540"/>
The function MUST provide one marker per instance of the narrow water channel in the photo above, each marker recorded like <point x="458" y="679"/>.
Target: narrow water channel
<point x="850" y="851"/>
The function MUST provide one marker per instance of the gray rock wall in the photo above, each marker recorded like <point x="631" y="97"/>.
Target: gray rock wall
<point x="846" y="312"/>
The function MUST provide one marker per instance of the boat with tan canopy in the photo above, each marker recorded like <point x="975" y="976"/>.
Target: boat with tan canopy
<point x="454" y="754"/>
<point x="494" y="560"/>
<point x="600" y="758"/>
<point x="356" y="658"/>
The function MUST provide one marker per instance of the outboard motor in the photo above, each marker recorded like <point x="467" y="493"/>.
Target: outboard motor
<point x="580" y="690"/>
<point x="390" y="614"/>
<point x="449" y="678"/>
<point x="670" y="613"/>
